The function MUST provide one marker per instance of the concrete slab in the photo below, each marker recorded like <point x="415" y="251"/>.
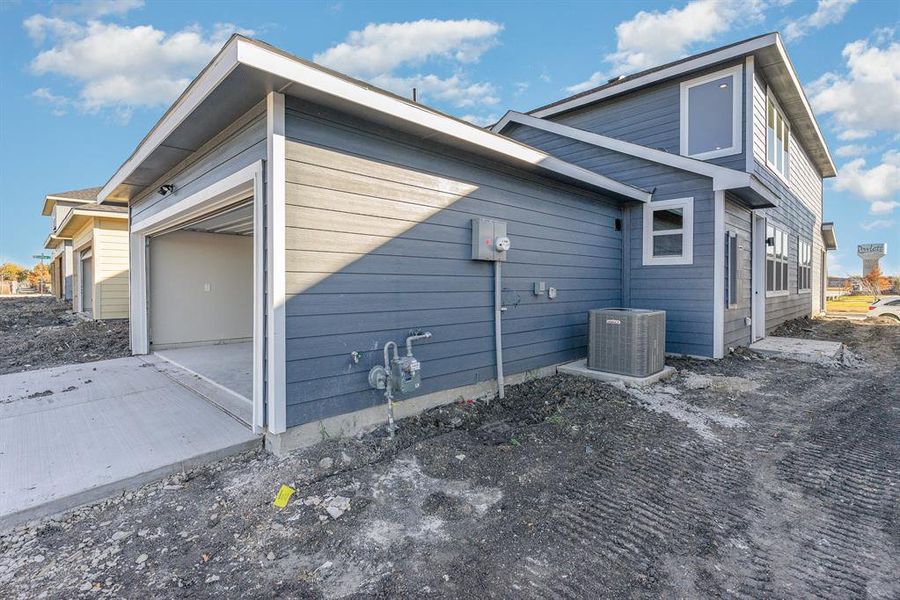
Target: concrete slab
<point x="71" y="435"/>
<point x="228" y="367"/>
<point x="812" y="351"/>
<point x="579" y="367"/>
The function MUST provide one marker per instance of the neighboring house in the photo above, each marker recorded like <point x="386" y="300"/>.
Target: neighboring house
<point x="57" y="206"/>
<point x="90" y="253"/>
<point x="731" y="149"/>
<point x="286" y="221"/>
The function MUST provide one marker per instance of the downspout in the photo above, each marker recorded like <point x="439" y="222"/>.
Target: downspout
<point x="498" y="333"/>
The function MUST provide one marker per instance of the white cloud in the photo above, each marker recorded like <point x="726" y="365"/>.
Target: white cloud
<point x="455" y="89"/>
<point x="828" y="12"/>
<point x="878" y="224"/>
<point x="855" y="134"/>
<point x="382" y="47"/>
<point x="392" y="56"/>
<point x="852" y="150"/>
<point x="653" y="38"/>
<point x="876" y="185"/>
<point x="865" y="98"/>
<point x="880" y="207"/>
<point x="481" y="120"/>
<point x="118" y="67"/>
<point x="58" y="104"/>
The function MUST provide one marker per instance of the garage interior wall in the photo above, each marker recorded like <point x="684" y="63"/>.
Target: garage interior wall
<point x="183" y="265"/>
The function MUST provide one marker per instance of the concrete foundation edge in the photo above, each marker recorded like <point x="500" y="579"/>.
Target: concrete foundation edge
<point x="579" y="368"/>
<point x="355" y="423"/>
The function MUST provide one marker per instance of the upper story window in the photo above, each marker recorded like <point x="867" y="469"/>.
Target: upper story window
<point x="804" y="265"/>
<point x="669" y="232"/>
<point x="711" y="114"/>
<point x="776" y="261"/>
<point x="778" y="135"/>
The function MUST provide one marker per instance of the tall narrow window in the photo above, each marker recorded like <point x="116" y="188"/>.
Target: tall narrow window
<point x="776" y="261"/>
<point x="804" y="265"/>
<point x="669" y="232"/>
<point x="777" y="139"/>
<point x="711" y="114"/>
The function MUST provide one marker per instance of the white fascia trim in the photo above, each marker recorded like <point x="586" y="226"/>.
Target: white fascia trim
<point x="687" y="233"/>
<point x="309" y="76"/>
<point x="749" y="86"/>
<point x="205" y="83"/>
<point x="719" y="275"/>
<point x="723" y="177"/>
<point x="796" y="81"/>
<point x="736" y="75"/>
<point x="276" y="348"/>
<point x="234" y="187"/>
<point x="673" y="71"/>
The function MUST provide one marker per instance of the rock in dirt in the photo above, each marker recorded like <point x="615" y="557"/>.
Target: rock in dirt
<point x="326" y="463"/>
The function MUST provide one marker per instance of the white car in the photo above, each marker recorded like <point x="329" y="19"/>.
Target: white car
<point x="889" y="306"/>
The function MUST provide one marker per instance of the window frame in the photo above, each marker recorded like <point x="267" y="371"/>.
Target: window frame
<point x="786" y="176"/>
<point x="737" y="102"/>
<point x="782" y="259"/>
<point x="686" y="232"/>
<point x="804" y="267"/>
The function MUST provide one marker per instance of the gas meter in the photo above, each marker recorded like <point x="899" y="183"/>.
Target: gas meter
<point x="398" y="375"/>
<point x="406" y="374"/>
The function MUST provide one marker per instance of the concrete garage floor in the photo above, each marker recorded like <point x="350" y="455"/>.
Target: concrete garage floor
<point x="747" y="477"/>
<point x="70" y="435"/>
<point x="229" y="366"/>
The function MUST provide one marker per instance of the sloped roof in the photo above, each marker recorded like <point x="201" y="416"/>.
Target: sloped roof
<point x="771" y="60"/>
<point x="246" y="70"/>
<point x="82" y="194"/>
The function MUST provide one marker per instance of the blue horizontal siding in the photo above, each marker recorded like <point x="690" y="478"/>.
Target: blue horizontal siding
<point x="378" y="244"/>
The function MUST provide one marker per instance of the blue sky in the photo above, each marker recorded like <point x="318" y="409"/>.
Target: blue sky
<point x="83" y="82"/>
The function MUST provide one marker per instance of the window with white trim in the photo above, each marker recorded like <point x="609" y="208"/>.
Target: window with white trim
<point x="776" y="261"/>
<point x="669" y="232"/>
<point x="711" y="115"/>
<point x="804" y="265"/>
<point x="778" y="135"/>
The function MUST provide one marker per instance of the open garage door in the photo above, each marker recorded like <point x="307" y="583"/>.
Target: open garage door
<point x="200" y="299"/>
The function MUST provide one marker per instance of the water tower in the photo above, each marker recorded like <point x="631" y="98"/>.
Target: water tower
<point x="870" y="255"/>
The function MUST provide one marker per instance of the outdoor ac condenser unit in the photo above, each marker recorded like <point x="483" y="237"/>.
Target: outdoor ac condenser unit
<point x="627" y="341"/>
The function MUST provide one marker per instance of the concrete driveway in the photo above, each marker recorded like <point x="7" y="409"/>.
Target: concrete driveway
<point x="70" y="435"/>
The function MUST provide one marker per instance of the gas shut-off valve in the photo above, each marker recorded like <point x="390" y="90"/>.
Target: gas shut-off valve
<point x="398" y="375"/>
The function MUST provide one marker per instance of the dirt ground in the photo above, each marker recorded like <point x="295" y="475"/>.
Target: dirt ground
<point x="740" y="478"/>
<point x="38" y="332"/>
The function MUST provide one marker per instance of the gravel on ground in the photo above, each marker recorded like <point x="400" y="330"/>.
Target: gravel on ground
<point x="37" y="332"/>
<point x="746" y="477"/>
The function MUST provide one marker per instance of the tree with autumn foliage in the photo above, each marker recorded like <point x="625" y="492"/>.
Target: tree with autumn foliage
<point x="39" y="277"/>
<point x="876" y="282"/>
<point x="12" y="272"/>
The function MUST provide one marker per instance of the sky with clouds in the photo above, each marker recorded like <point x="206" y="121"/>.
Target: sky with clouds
<point x="83" y="82"/>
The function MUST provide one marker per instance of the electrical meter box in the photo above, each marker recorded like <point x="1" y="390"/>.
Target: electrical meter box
<point x="486" y="233"/>
<point x="406" y="374"/>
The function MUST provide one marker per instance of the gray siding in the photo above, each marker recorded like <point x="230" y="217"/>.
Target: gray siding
<point x="238" y="146"/>
<point x="378" y="244"/>
<point x="799" y="212"/>
<point x="649" y="117"/>
<point x="738" y="220"/>
<point x="685" y="292"/>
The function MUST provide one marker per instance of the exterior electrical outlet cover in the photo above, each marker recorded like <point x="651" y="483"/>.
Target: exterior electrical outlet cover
<point x="627" y="341"/>
<point x="485" y="232"/>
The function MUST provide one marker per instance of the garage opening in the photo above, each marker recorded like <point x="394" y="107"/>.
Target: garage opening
<point x="200" y="300"/>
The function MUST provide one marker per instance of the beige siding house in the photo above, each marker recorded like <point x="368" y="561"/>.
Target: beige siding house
<point x="90" y="264"/>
